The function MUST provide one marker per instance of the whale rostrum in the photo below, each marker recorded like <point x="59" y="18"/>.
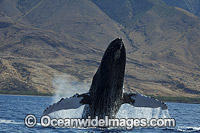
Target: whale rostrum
<point x="106" y="96"/>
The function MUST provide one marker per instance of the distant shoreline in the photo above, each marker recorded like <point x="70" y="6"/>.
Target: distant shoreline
<point x="25" y="95"/>
<point x="161" y="98"/>
<point x="179" y="99"/>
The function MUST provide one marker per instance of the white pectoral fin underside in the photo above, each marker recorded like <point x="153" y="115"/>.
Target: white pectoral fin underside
<point x="68" y="103"/>
<point x="139" y="100"/>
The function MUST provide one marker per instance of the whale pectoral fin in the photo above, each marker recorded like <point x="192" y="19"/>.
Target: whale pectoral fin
<point x="86" y="99"/>
<point x="73" y="102"/>
<point x="139" y="100"/>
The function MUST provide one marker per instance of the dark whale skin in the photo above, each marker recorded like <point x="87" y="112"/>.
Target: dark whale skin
<point x="106" y="96"/>
<point x="107" y="85"/>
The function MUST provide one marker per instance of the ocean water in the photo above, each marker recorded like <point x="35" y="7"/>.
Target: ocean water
<point x="13" y="110"/>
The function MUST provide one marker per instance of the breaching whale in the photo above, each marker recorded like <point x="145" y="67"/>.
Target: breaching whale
<point x="106" y="96"/>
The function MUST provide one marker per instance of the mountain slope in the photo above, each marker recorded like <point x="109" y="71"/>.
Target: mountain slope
<point x="192" y="6"/>
<point x="24" y="42"/>
<point x="43" y="38"/>
<point x="167" y="42"/>
<point x="79" y="19"/>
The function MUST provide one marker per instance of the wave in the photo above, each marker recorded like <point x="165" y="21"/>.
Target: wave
<point x="183" y="129"/>
<point x="2" y="121"/>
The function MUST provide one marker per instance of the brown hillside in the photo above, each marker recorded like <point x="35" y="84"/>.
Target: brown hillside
<point x="42" y="38"/>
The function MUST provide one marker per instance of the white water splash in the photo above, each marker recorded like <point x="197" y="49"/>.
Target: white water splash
<point x="67" y="86"/>
<point x="70" y="113"/>
<point x="129" y="111"/>
<point x="126" y="111"/>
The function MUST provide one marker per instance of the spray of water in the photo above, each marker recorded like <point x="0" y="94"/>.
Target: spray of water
<point x="67" y="86"/>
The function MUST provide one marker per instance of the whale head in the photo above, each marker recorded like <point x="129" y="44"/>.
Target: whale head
<point x="108" y="81"/>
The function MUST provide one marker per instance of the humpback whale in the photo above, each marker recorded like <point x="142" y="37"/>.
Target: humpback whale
<point x="106" y="96"/>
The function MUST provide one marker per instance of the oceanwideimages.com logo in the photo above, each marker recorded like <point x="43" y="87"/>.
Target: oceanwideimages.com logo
<point x="129" y="123"/>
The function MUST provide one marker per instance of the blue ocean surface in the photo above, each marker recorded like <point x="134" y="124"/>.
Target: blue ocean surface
<point x="13" y="110"/>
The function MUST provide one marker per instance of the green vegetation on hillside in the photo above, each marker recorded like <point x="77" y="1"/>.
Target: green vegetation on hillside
<point x="179" y="99"/>
<point x="34" y="93"/>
